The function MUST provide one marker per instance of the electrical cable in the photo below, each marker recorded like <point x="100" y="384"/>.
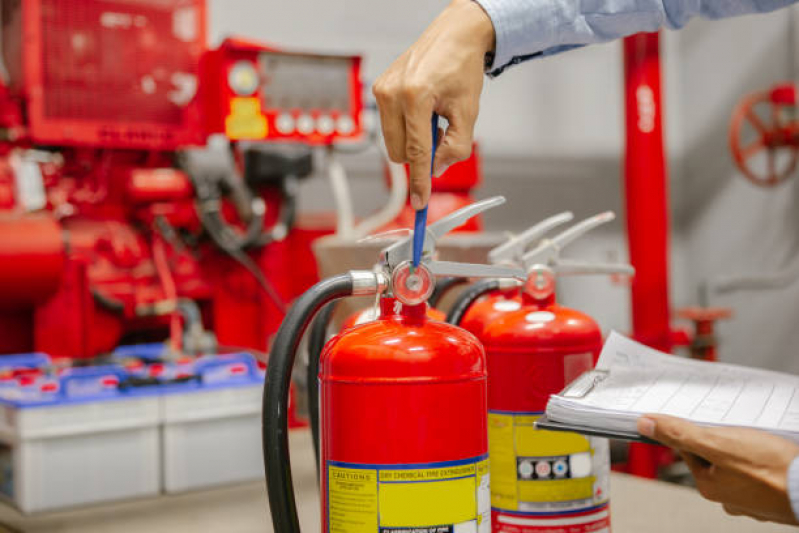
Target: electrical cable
<point x="316" y="343"/>
<point x="109" y="303"/>
<point x="274" y="414"/>
<point x="465" y="300"/>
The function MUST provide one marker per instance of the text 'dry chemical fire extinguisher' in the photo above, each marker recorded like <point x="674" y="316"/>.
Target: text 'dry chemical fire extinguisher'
<point x="402" y="403"/>
<point x="545" y="482"/>
<point x="489" y="299"/>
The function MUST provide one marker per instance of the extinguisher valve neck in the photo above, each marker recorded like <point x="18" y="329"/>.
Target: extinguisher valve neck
<point x="368" y="282"/>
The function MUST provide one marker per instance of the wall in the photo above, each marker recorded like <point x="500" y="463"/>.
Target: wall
<point x="732" y="226"/>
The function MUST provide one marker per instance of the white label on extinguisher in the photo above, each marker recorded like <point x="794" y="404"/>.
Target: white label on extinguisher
<point x="543" y="475"/>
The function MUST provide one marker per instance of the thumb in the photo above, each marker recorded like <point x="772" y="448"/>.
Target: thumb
<point x="678" y="433"/>
<point x="455" y="146"/>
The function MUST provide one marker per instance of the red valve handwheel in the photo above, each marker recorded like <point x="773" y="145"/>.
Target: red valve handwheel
<point x="777" y="135"/>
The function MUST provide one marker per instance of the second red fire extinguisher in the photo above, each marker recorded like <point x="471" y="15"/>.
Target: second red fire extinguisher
<point x="542" y="481"/>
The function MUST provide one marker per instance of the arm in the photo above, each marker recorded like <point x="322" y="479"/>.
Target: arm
<point x="749" y="472"/>
<point x="443" y="71"/>
<point x="531" y="28"/>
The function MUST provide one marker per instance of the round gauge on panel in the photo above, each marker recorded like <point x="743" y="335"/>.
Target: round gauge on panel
<point x="325" y="124"/>
<point x="243" y="78"/>
<point x="305" y="124"/>
<point x="284" y="123"/>
<point x="345" y="125"/>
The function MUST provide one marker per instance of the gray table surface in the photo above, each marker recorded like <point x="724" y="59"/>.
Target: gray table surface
<point x="637" y="505"/>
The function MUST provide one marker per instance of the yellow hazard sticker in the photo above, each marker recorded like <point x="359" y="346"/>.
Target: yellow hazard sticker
<point x="544" y="471"/>
<point x="246" y="120"/>
<point x="449" y="497"/>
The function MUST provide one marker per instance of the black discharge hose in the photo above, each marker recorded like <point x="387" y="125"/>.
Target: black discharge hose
<point x="274" y="414"/>
<point x="468" y="297"/>
<point x="316" y="342"/>
<point x="442" y="287"/>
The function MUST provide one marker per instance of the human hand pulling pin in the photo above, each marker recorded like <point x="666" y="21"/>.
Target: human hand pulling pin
<point x="441" y="73"/>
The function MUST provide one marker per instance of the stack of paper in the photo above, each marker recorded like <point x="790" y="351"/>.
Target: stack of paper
<point x="631" y="379"/>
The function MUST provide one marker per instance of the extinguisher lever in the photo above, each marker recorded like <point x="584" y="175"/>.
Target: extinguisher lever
<point x="549" y="249"/>
<point x="563" y="267"/>
<point x="401" y="250"/>
<point x="474" y="270"/>
<point x="512" y="251"/>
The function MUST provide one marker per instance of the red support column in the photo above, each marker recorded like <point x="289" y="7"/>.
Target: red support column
<point x="646" y="201"/>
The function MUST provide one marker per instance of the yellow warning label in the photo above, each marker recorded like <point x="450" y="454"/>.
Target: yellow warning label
<point x="352" y="500"/>
<point x="246" y="120"/>
<point x="438" y="497"/>
<point x="535" y="470"/>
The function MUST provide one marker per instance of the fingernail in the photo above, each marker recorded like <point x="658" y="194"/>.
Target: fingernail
<point x="646" y="427"/>
<point x="416" y="202"/>
<point x="439" y="169"/>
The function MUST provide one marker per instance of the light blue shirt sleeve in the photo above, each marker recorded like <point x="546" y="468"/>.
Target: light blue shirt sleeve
<point x="532" y="28"/>
<point x="793" y="486"/>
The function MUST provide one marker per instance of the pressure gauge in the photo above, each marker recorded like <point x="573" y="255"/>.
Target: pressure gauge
<point x="325" y="125"/>
<point x="285" y="123"/>
<point x="345" y="125"/>
<point x="243" y="78"/>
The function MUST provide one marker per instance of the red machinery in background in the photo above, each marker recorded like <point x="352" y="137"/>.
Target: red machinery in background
<point x="105" y="235"/>
<point x="255" y="92"/>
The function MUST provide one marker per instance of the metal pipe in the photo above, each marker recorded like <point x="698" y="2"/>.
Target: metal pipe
<point x="646" y="201"/>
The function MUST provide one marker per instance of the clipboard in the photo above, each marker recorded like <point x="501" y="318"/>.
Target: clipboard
<point x="545" y="423"/>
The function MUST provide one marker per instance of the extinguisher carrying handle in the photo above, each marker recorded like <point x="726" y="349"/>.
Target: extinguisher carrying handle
<point x="402" y="250"/>
<point x="474" y="270"/>
<point x="549" y="250"/>
<point x="512" y="251"/>
<point x="563" y="267"/>
<point x="274" y="414"/>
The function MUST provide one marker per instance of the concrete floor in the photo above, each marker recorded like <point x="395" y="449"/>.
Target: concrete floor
<point x="637" y="505"/>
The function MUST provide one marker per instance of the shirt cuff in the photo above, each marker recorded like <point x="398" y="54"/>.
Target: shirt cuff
<point x="521" y="33"/>
<point x="793" y="486"/>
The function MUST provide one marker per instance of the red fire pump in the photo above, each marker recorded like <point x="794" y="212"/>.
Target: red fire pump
<point x="402" y="401"/>
<point x="543" y="481"/>
<point x="105" y="235"/>
<point x="764" y="135"/>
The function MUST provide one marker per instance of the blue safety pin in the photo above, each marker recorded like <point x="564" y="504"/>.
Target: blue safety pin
<point x="420" y="222"/>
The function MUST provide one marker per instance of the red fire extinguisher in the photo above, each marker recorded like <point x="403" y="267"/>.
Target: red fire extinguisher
<point x="489" y="299"/>
<point x="402" y="403"/>
<point x="544" y="482"/>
